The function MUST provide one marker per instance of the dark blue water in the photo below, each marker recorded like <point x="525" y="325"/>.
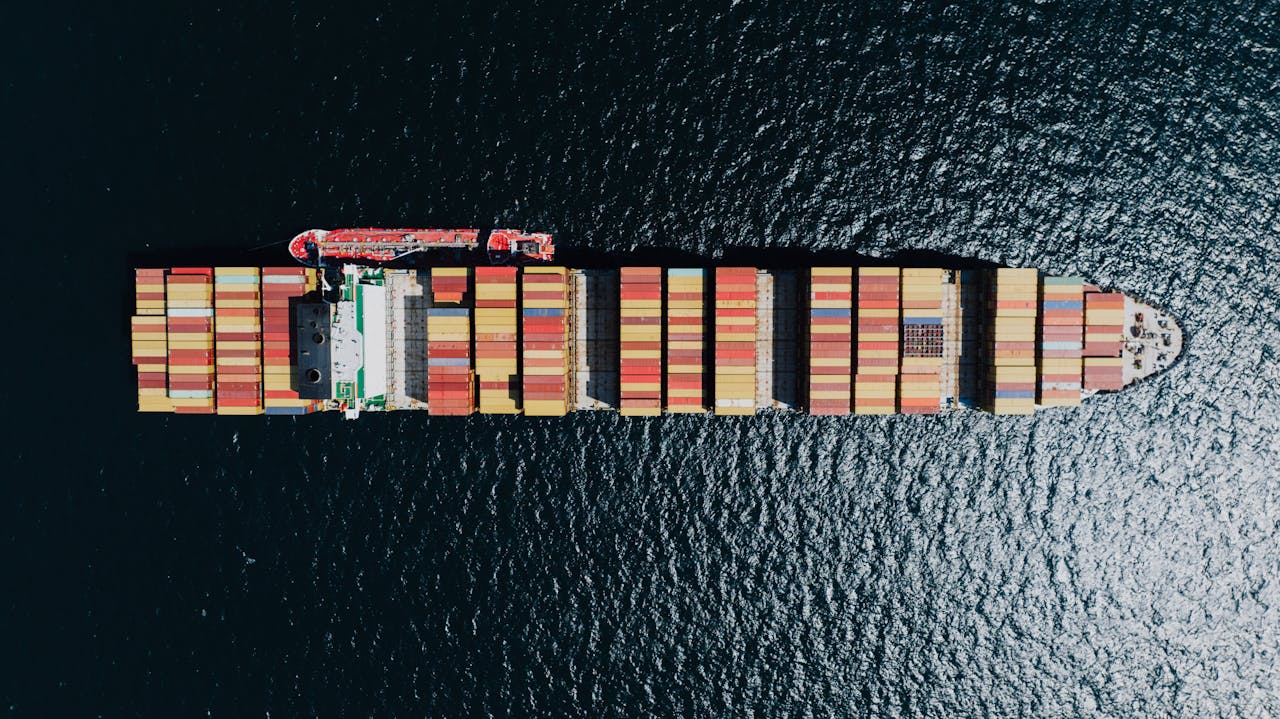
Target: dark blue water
<point x="1119" y="560"/>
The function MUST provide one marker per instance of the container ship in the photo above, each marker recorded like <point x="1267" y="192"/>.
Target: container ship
<point x="342" y="331"/>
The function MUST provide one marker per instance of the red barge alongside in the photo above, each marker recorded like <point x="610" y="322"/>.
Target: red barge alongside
<point x="370" y="244"/>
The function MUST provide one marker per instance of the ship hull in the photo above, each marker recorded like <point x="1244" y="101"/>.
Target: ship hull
<point x="546" y="341"/>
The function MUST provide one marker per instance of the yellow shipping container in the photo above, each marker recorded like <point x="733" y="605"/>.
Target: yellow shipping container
<point x="877" y="370"/>
<point x="1015" y="374"/>
<point x="1013" y="406"/>
<point x="237" y="304"/>
<point x="544" y="354"/>
<point x="1060" y="402"/>
<point x="154" y="404"/>
<point x="544" y="408"/>
<point x="544" y="371"/>
<point x="185" y="402"/>
<point x="239" y="410"/>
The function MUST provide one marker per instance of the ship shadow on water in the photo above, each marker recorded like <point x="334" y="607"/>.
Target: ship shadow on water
<point x="773" y="258"/>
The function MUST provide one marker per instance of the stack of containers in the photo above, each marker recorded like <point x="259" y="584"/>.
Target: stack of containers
<point x="1103" y="341"/>
<point x="147" y="337"/>
<point x="280" y="285"/>
<point x="237" y="305"/>
<point x="735" y="348"/>
<point x="830" y="340"/>
<point x="450" y="386"/>
<point x="920" y="384"/>
<point x="1061" y="326"/>
<point x="875" y="384"/>
<point x="496" y="331"/>
<point x="640" y="337"/>
<point x="544" y="349"/>
<point x="148" y="293"/>
<point x="189" y="320"/>
<point x="686" y="344"/>
<point x="1013" y="354"/>
<point x="449" y="285"/>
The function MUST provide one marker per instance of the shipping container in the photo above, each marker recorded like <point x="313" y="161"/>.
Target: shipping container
<point x="450" y="375"/>
<point x="1061" y="341"/>
<point x="640" y="341"/>
<point x="1013" y="309"/>
<point x="1103" y="324"/>
<point x="148" y="341"/>
<point x="544" y="327"/>
<point x="920" y="378"/>
<point x="496" y="330"/>
<point x="879" y="340"/>
<point x="282" y="288"/>
<point x="830" y="350"/>
<point x="686" y="340"/>
<point x="734" y="355"/>
<point x="238" y="362"/>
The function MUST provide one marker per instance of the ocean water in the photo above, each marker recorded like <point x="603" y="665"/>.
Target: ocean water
<point x="1119" y="560"/>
